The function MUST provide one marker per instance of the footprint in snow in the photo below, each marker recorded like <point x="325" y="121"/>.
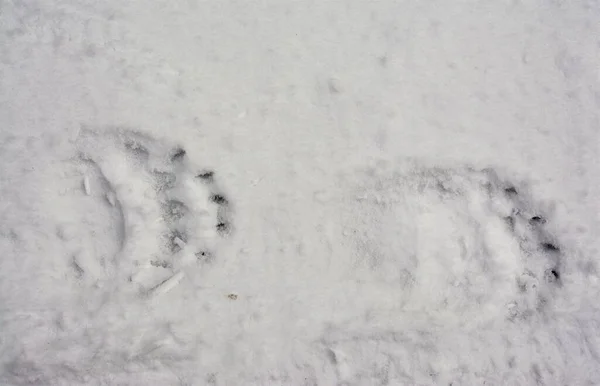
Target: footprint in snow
<point x="170" y="213"/>
<point x="452" y="240"/>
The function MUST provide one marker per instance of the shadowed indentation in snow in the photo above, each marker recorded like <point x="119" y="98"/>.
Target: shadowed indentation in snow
<point x="537" y="220"/>
<point x="79" y="272"/>
<point x="178" y="155"/>
<point x="207" y="176"/>
<point x="552" y="276"/>
<point x="550" y="247"/>
<point x="218" y="199"/>
<point x="223" y="228"/>
<point x="511" y="191"/>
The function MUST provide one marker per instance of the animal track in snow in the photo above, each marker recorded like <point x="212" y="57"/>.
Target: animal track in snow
<point x="171" y="214"/>
<point x="453" y="242"/>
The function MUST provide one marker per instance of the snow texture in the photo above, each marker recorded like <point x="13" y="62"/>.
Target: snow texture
<point x="299" y="193"/>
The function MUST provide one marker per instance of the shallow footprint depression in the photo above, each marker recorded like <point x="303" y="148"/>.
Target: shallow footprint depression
<point x="440" y="242"/>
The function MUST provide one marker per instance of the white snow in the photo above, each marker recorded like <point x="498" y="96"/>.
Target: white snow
<point x="299" y="193"/>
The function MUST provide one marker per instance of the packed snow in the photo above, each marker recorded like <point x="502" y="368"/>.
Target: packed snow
<point x="299" y="193"/>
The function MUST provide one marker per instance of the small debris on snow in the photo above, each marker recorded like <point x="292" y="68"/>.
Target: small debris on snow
<point x="232" y="296"/>
<point x="168" y="284"/>
<point x="86" y="185"/>
<point x="179" y="242"/>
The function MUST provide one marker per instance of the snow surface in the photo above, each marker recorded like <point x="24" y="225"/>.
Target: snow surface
<point x="299" y="193"/>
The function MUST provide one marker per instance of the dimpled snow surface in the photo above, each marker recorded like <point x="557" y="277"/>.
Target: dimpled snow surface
<point x="299" y="193"/>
